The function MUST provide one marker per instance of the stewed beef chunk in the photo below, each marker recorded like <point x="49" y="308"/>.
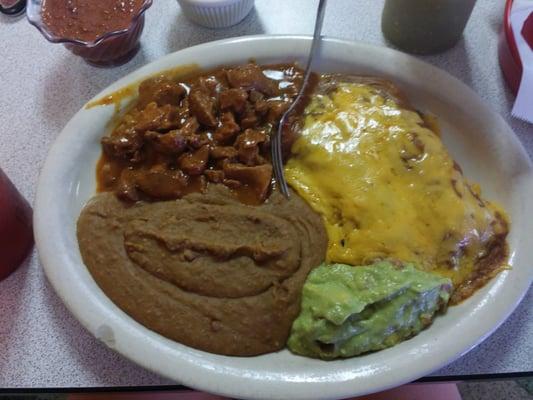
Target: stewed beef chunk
<point x="176" y="141"/>
<point x="211" y="85"/>
<point x="249" y="118"/>
<point x="248" y="146"/>
<point x="276" y="110"/>
<point x="227" y="128"/>
<point x="127" y="189"/>
<point x="233" y="100"/>
<point x="223" y="152"/>
<point x="161" y="90"/>
<point x="202" y="106"/>
<point x="258" y="178"/>
<point x="123" y="146"/>
<point x="161" y="183"/>
<point x="194" y="163"/>
<point x="250" y="76"/>
<point x="214" y="175"/>
<point x="153" y="117"/>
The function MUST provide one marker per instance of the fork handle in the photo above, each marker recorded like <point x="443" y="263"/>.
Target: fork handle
<point x="277" y="159"/>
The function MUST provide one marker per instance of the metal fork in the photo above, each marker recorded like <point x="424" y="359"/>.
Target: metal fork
<point x="277" y="157"/>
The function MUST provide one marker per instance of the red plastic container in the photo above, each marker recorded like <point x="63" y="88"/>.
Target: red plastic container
<point x="16" y="236"/>
<point x="508" y="52"/>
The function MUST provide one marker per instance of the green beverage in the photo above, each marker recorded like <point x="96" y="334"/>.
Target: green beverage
<point x="425" y="26"/>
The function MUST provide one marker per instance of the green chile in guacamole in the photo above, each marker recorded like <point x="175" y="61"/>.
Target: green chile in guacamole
<point x="349" y="310"/>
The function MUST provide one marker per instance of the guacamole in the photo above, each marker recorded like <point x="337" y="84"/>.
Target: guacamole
<point x="349" y="310"/>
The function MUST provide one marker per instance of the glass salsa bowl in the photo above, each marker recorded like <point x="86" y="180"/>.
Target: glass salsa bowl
<point x="107" y="50"/>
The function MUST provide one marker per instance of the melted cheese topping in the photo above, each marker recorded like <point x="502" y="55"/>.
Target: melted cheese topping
<point x="386" y="186"/>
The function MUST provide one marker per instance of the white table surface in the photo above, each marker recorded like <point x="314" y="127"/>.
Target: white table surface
<point x="42" y="85"/>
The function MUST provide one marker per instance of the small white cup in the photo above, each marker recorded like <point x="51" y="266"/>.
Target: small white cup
<point x="216" y="13"/>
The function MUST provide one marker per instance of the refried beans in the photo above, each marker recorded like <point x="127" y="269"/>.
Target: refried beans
<point x="205" y="270"/>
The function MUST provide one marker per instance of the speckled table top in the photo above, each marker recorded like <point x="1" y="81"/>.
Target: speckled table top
<point x="43" y="85"/>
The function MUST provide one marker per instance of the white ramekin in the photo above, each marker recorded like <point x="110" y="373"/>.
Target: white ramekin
<point x="216" y="13"/>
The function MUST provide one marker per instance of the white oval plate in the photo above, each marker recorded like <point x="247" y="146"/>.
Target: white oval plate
<point x="478" y="139"/>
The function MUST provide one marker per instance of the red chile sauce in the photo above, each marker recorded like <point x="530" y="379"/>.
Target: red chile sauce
<point x="88" y="19"/>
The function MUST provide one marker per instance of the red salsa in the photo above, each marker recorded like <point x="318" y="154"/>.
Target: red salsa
<point x="88" y="19"/>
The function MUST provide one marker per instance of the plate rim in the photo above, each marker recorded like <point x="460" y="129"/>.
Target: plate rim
<point x="257" y="388"/>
